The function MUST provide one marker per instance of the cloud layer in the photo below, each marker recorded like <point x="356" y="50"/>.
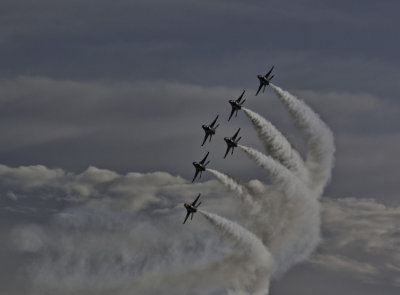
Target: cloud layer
<point x="132" y="214"/>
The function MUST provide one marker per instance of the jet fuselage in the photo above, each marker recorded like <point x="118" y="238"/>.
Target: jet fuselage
<point x="235" y="105"/>
<point x="199" y="166"/>
<point x="230" y="142"/>
<point x="190" y="208"/>
<point x="208" y="129"/>
<point x="263" y="80"/>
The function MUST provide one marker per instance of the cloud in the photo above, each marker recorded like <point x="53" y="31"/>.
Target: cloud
<point x="38" y="110"/>
<point x="360" y="235"/>
<point x="115" y="231"/>
<point x="28" y="177"/>
<point x="361" y="238"/>
<point x="344" y="264"/>
<point x="10" y="195"/>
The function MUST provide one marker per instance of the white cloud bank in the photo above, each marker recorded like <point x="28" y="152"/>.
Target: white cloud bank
<point x="101" y="242"/>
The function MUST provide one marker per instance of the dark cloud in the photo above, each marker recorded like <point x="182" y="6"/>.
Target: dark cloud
<point x="146" y="39"/>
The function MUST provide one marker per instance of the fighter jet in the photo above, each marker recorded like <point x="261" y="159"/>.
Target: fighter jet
<point x="191" y="208"/>
<point x="200" y="166"/>
<point x="209" y="130"/>
<point x="236" y="105"/>
<point x="232" y="142"/>
<point x="264" y="80"/>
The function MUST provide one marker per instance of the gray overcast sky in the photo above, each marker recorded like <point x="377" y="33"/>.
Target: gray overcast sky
<point x="125" y="86"/>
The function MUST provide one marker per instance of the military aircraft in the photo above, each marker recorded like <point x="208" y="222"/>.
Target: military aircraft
<point x="264" y="80"/>
<point x="236" y="105"/>
<point x="232" y="142"/>
<point x="200" y="166"/>
<point x="191" y="208"/>
<point x="209" y="130"/>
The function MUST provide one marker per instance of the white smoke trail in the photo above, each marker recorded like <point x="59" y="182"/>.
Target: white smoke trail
<point x="319" y="139"/>
<point x="259" y="266"/>
<point x="292" y="219"/>
<point x="278" y="172"/>
<point x="239" y="189"/>
<point x="277" y="145"/>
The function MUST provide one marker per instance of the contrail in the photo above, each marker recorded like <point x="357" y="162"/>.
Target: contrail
<point x="240" y="190"/>
<point x="277" y="145"/>
<point x="319" y="139"/>
<point x="259" y="265"/>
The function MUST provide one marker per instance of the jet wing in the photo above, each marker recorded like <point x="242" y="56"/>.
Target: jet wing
<point x="230" y="116"/>
<point x="205" y="158"/>
<point x="205" y="138"/>
<point x="187" y="216"/>
<point x="227" y="151"/>
<point x="236" y="134"/>
<point x="195" y="175"/>
<point x="194" y="202"/>
<point x="269" y="72"/>
<point x="259" y="88"/>
<point x="215" y="120"/>
<point x="240" y="97"/>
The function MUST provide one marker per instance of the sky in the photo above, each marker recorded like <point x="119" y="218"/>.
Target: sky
<point x="101" y="107"/>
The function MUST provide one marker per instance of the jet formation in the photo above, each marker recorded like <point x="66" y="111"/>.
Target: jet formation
<point x="231" y="142"/>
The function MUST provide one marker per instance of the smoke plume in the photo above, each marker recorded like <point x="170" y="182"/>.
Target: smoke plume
<point x="318" y="136"/>
<point x="277" y="145"/>
<point x="240" y="190"/>
<point x="259" y="262"/>
<point x="277" y="171"/>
